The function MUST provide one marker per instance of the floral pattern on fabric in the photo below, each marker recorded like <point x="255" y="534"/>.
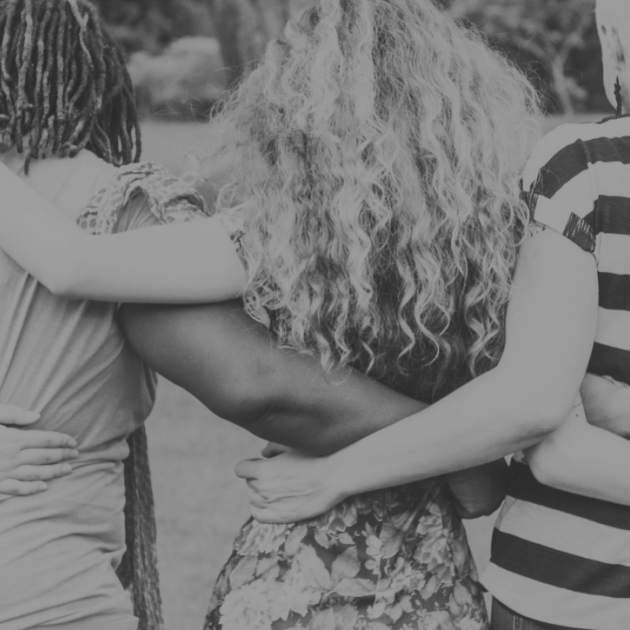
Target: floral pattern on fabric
<point x="395" y="559"/>
<point x="170" y="198"/>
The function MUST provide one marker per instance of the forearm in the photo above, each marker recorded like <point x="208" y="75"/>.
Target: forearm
<point x="585" y="460"/>
<point x="550" y="327"/>
<point x="232" y="366"/>
<point x="484" y="421"/>
<point x="188" y="263"/>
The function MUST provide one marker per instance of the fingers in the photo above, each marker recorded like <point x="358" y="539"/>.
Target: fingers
<point x="248" y="469"/>
<point x="47" y="439"/>
<point x="11" y="415"/>
<point x="17" y="488"/>
<point x="46" y="456"/>
<point x="272" y="449"/>
<point x="41" y="473"/>
<point x="256" y="500"/>
<point x="253" y="485"/>
<point x="268" y="515"/>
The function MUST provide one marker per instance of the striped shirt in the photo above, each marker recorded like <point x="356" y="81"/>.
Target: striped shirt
<point x="559" y="558"/>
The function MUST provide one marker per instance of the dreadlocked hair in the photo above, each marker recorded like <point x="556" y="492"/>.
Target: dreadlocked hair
<point x="64" y="85"/>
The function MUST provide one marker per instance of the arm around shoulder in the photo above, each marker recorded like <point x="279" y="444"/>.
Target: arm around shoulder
<point x="233" y="366"/>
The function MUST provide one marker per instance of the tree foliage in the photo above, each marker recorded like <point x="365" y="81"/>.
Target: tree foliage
<point x="546" y="36"/>
<point x="554" y="41"/>
<point x="151" y="25"/>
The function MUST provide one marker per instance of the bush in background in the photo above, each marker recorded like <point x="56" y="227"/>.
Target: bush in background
<point x="182" y="82"/>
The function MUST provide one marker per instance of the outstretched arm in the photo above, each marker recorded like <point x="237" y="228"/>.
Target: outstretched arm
<point x="231" y="364"/>
<point x="179" y="263"/>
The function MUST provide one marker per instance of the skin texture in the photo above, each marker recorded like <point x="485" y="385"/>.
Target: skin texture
<point x="607" y="404"/>
<point x="549" y="335"/>
<point x="231" y="365"/>
<point x="30" y="458"/>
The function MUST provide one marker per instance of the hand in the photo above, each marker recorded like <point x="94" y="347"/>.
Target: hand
<point x="290" y="487"/>
<point x="607" y="403"/>
<point x="30" y="458"/>
<point x="272" y="450"/>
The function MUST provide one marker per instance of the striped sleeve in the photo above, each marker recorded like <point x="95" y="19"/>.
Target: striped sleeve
<point x="560" y="189"/>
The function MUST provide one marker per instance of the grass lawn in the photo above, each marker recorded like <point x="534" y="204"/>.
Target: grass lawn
<point x="200" y="503"/>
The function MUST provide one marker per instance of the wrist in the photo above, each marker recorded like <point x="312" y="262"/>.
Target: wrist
<point x="344" y="478"/>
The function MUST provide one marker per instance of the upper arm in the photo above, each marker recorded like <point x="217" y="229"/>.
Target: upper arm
<point x="232" y="365"/>
<point x="551" y="320"/>
<point x="178" y="263"/>
<point x="214" y="352"/>
<point x="144" y="249"/>
<point x="552" y="314"/>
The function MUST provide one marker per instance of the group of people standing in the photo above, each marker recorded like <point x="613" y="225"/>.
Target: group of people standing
<point x="383" y="271"/>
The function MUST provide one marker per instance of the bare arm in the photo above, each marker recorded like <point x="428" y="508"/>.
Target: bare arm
<point x="607" y="404"/>
<point x="232" y="366"/>
<point x="180" y="263"/>
<point x="230" y="363"/>
<point x="549" y="335"/>
<point x="584" y="459"/>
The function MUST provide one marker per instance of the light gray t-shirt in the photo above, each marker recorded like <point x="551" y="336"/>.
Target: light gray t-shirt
<point x="67" y="359"/>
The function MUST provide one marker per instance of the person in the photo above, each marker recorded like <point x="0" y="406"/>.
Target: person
<point x="370" y="241"/>
<point x="63" y="573"/>
<point x="30" y="458"/>
<point x="560" y="546"/>
<point x="65" y="95"/>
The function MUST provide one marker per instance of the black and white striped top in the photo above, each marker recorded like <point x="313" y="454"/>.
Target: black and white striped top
<point x="559" y="558"/>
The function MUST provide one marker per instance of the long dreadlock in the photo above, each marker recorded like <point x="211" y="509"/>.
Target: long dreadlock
<point x="64" y="85"/>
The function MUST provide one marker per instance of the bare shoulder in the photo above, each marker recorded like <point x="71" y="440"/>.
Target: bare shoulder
<point x="70" y="183"/>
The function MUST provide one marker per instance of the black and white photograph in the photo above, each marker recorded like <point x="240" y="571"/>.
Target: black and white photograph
<point x="314" y="314"/>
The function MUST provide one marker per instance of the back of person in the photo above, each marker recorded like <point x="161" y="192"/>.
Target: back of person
<point x="559" y="558"/>
<point x="68" y="360"/>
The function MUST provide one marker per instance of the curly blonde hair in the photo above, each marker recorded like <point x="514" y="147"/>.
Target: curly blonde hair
<point x="375" y="160"/>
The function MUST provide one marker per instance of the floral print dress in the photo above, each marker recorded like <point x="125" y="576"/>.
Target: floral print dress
<point x="393" y="559"/>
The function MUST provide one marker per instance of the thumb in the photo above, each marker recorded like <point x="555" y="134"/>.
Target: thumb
<point x="248" y="469"/>
<point x="11" y="415"/>
<point x="272" y="449"/>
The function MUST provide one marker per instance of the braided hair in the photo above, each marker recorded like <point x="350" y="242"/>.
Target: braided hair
<point x="64" y="85"/>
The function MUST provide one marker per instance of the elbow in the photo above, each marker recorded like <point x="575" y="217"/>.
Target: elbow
<point x="61" y="287"/>
<point x="548" y="472"/>
<point x="551" y="463"/>
<point x="536" y="408"/>
<point x="536" y="420"/>
<point x="241" y="401"/>
<point x="63" y="278"/>
<point x="542" y="468"/>
<point x="549" y="414"/>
